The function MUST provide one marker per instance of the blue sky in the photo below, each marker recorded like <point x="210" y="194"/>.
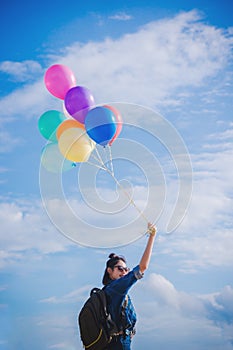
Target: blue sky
<point x="167" y="66"/>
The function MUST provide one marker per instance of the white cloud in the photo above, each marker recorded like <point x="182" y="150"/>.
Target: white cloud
<point x="24" y="228"/>
<point x="27" y="102"/>
<point x="52" y="330"/>
<point x="225" y="300"/>
<point x="175" y="53"/>
<point x="8" y="143"/>
<point x="205" y="235"/>
<point x="121" y="16"/>
<point x="163" y="310"/>
<point x="78" y="295"/>
<point x="21" y="71"/>
<point x="225" y="135"/>
<point x="165" y="293"/>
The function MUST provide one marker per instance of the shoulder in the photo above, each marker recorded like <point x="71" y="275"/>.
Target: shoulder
<point x="123" y="284"/>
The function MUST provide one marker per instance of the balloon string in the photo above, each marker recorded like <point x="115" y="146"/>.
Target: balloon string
<point x="127" y="194"/>
<point x="106" y="156"/>
<point x="110" y="158"/>
<point x="104" y="167"/>
<point x="97" y="166"/>
<point x="97" y="159"/>
<point x="100" y="160"/>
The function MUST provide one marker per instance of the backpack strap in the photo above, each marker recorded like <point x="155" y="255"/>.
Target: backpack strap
<point x="125" y="303"/>
<point x="102" y="301"/>
<point x="122" y="314"/>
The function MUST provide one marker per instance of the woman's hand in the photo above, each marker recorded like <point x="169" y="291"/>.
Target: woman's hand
<point x="151" y="229"/>
<point x="144" y="262"/>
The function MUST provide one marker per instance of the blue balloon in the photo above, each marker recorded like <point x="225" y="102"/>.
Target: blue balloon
<point x="100" y="124"/>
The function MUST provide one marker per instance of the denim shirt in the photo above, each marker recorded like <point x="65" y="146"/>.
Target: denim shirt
<point x="116" y="292"/>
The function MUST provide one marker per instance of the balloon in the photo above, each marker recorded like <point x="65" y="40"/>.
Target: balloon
<point x="53" y="160"/>
<point x="67" y="124"/>
<point x="58" y="80"/>
<point x="100" y="124"/>
<point x="48" y="123"/>
<point x="68" y="116"/>
<point x="118" y="121"/>
<point x="78" y="101"/>
<point x="75" y="145"/>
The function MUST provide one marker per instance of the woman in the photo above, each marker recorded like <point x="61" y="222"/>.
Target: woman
<point x="118" y="280"/>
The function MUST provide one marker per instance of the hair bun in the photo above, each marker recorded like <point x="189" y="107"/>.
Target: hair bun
<point x="112" y="255"/>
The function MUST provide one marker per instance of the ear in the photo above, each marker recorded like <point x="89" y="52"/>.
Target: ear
<point x="109" y="270"/>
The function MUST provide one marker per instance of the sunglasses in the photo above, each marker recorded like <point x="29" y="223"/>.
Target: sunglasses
<point x="121" y="268"/>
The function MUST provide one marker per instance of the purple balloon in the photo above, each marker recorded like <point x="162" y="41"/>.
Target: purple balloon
<point x="78" y="101"/>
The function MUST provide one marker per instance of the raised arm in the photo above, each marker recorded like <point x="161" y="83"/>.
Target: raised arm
<point x="144" y="263"/>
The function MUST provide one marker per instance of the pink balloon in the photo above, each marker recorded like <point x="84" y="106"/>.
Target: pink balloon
<point x="118" y="122"/>
<point x="58" y="80"/>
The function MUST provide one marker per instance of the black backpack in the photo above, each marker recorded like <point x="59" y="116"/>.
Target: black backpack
<point x="95" y="323"/>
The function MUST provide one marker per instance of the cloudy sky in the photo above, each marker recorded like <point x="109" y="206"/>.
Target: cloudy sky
<point x="168" y="69"/>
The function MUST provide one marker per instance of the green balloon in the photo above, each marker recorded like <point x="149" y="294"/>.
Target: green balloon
<point x="48" y="123"/>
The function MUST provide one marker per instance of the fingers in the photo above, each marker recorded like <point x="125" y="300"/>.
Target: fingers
<point x="152" y="229"/>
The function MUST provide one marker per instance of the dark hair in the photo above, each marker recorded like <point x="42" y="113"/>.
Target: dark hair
<point x="111" y="262"/>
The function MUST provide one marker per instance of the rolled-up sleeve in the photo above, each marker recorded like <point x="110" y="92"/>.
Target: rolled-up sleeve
<point x="137" y="273"/>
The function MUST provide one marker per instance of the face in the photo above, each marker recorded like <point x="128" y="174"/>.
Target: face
<point x="119" y="270"/>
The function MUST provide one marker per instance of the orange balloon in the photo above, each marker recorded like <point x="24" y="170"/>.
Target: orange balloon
<point x="67" y="124"/>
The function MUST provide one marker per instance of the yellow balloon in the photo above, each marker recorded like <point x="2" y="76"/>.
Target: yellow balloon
<point x="75" y="145"/>
<point x="67" y="124"/>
